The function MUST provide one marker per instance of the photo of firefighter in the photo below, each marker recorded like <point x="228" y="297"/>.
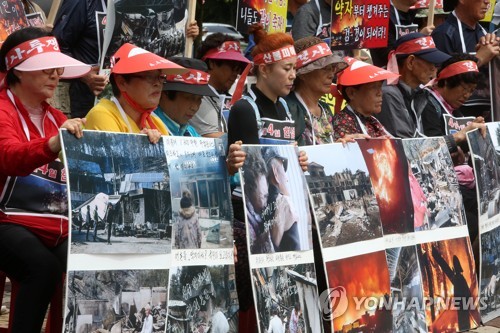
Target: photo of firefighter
<point x="202" y="299"/>
<point x="440" y="198"/>
<point x="484" y="158"/>
<point x="276" y="204"/>
<point x="448" y="275"/>
<point x="201" y="196"/>
<point x="287" y="297"/>
<point x="490" y="274"/>
<point x="342" y="194"/>
<point x="116" y="301"/>
<point x="406" y="287"/>
<point x="156" y="26"/>
<point x="365" y="275"/>
<point x="388" y="169"/>
<point x="119" y="192"/>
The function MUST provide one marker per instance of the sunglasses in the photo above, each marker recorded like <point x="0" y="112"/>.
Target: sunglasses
<point x="151" y="78"/>
<point x="51" y="71"/>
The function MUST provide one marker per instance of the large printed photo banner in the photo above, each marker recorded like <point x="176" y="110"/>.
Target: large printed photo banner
<point x="279" y="238"/>
<point x="358" y="24"/>
<point x="158" y="26"/>
<point x="271" y="14"/>
<point x="119" y="194"/>
<point x="486" y="168"/>
<point x="202" y="296"/>
<point x="12" y="18"/>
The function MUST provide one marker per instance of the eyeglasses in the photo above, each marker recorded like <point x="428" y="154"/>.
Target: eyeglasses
<point x="50" y="71"/>
<point x="151" y="78"/>
<point x="468" y="90"/>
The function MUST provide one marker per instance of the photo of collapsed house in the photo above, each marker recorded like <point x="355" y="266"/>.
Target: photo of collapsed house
<point x="276" y="200"/>
<point x="157" y="26"/>
<point x="341" y="192"/>
<point x="408" y="313"/>
<point x="388" y="170"/>
<point x="432" y="167"/>
<point x="490" y="274"/>
<point x="116" y="301"/>
<point x="448" y="275"/>
<point x="202" y="299"/>
<point x="119" y="194"/>
<point x="494" y="130"/>
<point x="287" y="295"/>
<point x="367" y="276"/>
<point x="484" y="158"/>
<point x="201" y="196"/>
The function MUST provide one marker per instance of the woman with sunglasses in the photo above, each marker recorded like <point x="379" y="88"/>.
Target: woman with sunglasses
<point x="33" y="199"/>
<point x="316" y="69"/>
<point x="137" y="78"/>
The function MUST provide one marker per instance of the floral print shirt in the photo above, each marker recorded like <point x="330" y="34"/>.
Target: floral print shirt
<point x="319" y="127"/>
<point x="345" y="122"/>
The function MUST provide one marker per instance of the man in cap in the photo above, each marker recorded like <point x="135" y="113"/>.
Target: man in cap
<point x="462" y="33"/>
<point x="415" y="58"/>
<point x="182" y="95"/>
<point x="225" y="62"/>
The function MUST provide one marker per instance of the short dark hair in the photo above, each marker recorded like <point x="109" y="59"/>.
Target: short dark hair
<point x="456" y="80"/>
<point x="13" y="40"/>
<point x="343" y="91"/>
<point x="171" y="94"/>
<point x="114" y="86"/>
<point x="213" y="41"/>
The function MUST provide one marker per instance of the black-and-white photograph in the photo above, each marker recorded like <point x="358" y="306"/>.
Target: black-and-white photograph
<point x="490" y="274"/>
<point x="342" y="195"/>
<point x="202" y="299"/>
<point x="276" y="200"/>
<point x="201" y="196"/>
<point x="156" y="26"/>
<point x="487" y="174"/>
<point x="119" y="193"/>
<point x="494" y="130"/>
<point x="435" y="190"/>
<point x="287" y="297"/>
<point x="116" y="301"/>
<point x="406" y="287"/>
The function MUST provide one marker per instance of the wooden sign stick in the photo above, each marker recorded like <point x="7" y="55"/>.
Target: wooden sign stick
<point x="430" y="14"/>
<point x="188" y="51"/>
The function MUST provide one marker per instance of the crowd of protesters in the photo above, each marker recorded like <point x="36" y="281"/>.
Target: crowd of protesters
<point x="428" y="73"/>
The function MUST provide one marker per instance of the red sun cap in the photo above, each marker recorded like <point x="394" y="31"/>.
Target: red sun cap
<point x="132" y="59"/>
<point x="360" y="72"/>
<point x="230" y="50"/>
<point x="457" y="68"/>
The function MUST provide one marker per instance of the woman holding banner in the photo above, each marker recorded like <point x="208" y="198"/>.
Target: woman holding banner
<point x="261" y="114"/>
<point x="33" y="204"/>
<point x="360" y="85"/>
<point x="137" y="78"/>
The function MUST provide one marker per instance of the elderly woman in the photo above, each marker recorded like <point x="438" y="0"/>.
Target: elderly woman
<point x="456" y="81"/>
<point x="316" y="69"/>
<point x="360" y="85"/>
<point x="33" y="203"/>
<point x="137" y="78"/>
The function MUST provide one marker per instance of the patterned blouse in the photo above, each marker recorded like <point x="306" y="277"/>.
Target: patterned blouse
<point x="321" y="127"/>
<point x="345" y="122"/>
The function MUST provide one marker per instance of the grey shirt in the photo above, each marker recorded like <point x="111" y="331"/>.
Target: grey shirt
<point x="207" y="120"/>
<point x="306" y="20"/>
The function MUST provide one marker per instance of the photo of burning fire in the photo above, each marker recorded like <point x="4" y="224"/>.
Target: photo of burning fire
<point x="359" y="24"/>
<point x="272" y="15"/>
<point x="388" y="169"/>
<point x="12" y="18"/>
<point x="362" y="276"/>
<point x="450" y="285"/>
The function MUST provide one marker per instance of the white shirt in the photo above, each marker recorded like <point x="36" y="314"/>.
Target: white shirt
<point x="219" y="323"/>
<point x="147" y="327"/>
<point x="275" y="325"/>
